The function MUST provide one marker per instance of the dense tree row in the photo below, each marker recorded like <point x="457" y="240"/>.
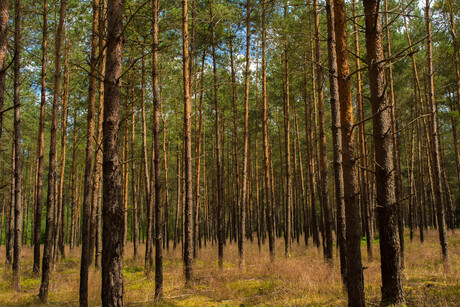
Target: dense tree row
<point x="187" y="123"/>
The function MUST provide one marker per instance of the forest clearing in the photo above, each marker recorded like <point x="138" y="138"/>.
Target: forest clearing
<point x="302" y="279"/>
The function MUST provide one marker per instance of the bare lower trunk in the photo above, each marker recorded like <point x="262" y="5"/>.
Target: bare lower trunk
<point x="16" y="284"/>
<point x="392" y="291"/>
<point x="97" y="184"/>
<point x="336" y="137"/>
<point x="188" y="222"/>
<point x="112" y="211"/>
<point x="156" y="159"/>
<point x="354" y="279"/>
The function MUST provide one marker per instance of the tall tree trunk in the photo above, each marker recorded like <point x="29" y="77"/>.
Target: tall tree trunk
<point x="395" y="140"/>
<point x="65" y="97"/>
<point x="148" y="261"/>
<point x="86" y="228"/>
<point x="324" y="197"/>
<point x="188" y="217"/>
<point x="392" y="291"/>
<point x="134" y="200"/>
<point x="235" y="198"/>
<point x="17" y="150"/>
<point x="336" y="137"/>
<point x="219" y="172"/>
<point x="166" y="189"/>
<point x="112" y="211"/>
<point x="40" y="145"/>
<point x="311" y="125"/>
<point x="73" y="218"/>
<point x="266" y="158"/>
<point x="287" y="145"/>
<point x="9" y="227"/>
<point x="435" y="144"/>
<point x="243" y="204"/>
<point x="97" y="184"/>
<point x="4" y="16"/>
<point x="50" y="201"/>
<point x="354" y="279"/>
<point x="198" y="132"/>
<point x="156" y="158"/>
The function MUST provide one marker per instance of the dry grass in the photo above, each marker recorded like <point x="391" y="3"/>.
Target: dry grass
<point x="303" y="278"/>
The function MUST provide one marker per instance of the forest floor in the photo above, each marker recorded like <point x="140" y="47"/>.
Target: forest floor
<point x="301" y="279"/>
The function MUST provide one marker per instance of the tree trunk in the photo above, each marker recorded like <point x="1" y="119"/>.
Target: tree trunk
<point x="243" y="203"/>
<point x="198" y="132"/>
<point x="65" y="97"/>
<point x="47" y="255"/>
<point x="97" y="184"/>
<point x="188" y="217"/>
<point x="287" y="146"/>
<point x="354" y="279"/>
<point x="112" y="211"/>
<point x="73" y="183"/>
<point x="17" y="150"/>
<point x="336" y="137"/>
<point x="266" y="158"/>
<point x="392" y="291"/>
<point x="87" y="219"/>
<point x="156" y="158"/>
<point x="134" y="200"/>
<point x="148" y="261"/>
<point x="324" y="197"/>
<point x="4" y="16"/>
<point x="219" y="172"/>
<point x="395" y="140"/>
<point x="40" y="145"/>
<point x="435" y="145"/>
<point x="9" y="227"/>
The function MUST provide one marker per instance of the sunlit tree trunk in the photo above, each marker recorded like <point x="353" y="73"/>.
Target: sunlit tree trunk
<point x="156" y="159"/>
<point x="188" y="218"/>
<point x="354" y="279"/>
<point x="336" y="137"/>
<point x="97" y="184"/>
